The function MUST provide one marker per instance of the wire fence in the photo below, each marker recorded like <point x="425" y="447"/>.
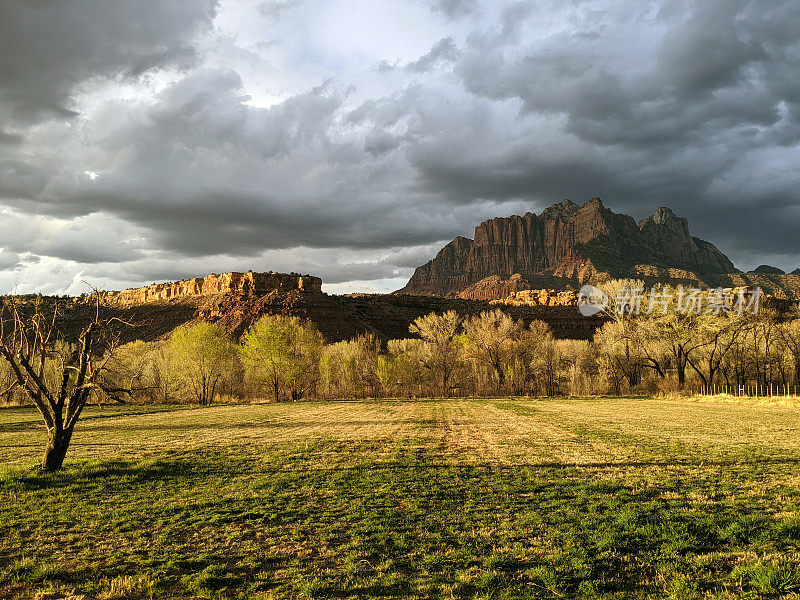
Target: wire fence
<point x="753" y="390"/>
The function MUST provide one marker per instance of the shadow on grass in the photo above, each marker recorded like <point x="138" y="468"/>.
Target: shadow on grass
<point x="547" y="466"/>
<point x="112" y="412"/>
<point x="115" y="473"/>
<point x="188" y="466"/>
<point x="416" y="520"/>
<point x="255" y="424"/>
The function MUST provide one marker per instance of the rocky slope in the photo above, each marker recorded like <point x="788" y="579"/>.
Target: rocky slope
<point x="568" y="245"/>
<point x="236" y="300"/>
<point x="389" y="315"/>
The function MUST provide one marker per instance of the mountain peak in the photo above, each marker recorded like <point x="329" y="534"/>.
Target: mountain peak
<point x="594" y="202"/>
<point x="663" y="214"/>
<point x="564" y="205"/>
<point x="573" y="243"/>
<point x="768" y="270"/>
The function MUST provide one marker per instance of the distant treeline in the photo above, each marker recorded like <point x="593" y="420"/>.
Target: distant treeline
<point x="284" y="358"/>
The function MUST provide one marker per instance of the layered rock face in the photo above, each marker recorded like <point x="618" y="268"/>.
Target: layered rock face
<point x="488" y="288"/>
<point x="667" y="238"/>
<point x="244" y="284"/>
<point x="232" y="300"/>
<point x="540" y="298"/>
<point x="569" y="243"/>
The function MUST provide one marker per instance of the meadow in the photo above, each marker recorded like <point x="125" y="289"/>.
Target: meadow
<point x="511" y="498"/>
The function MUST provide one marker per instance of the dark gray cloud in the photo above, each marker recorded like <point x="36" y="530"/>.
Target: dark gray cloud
<point x="206" y="174"/>
<point x="9" y="260"/>
<point x="691" y="127"/>
<point x="88" y="239"/>
<point x="48" y="48"/>
<point x="153" y="140"/>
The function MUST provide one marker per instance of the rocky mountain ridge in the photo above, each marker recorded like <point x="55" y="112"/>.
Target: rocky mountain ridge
<point x="237" y="300"/>
<point x="249" y="283"/>
<point x="568" y="245"/>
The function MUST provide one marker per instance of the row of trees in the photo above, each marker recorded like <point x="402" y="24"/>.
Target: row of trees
<point x="675" y="350"/>
<point x="285" y="358"/>
<point x="487" y="354"/>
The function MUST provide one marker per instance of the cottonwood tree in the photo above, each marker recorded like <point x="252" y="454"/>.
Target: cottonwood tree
<point x="8" y="383"/>
<point x="719" y="334"/>
<point x="58" y="377"/>
<point x="166" y="374"/>
<point x="203" y="355"/>
<point x="440" y="356"/>
<point x="620" y="355"/>
<point x="679" y="332"/>
<point x="767" y="347"/>
<point x="542" y="355"/>
<point x="789" y="333"/>
<point x="349" y="367"/>
<point x="626" y="298"/>
<point x="133" y="367"/>
<point x="282" y="351"/>
<point x="620" y="352"/>
<point x="493" y="338"/>
<point x="407" y="356"/>
<point x="579" y="357"/>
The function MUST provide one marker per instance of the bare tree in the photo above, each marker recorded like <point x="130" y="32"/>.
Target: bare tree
<point x="58" y="377"/>
<point x="719" y="335"/>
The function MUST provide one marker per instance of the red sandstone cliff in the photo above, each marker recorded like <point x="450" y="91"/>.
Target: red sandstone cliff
<point x="246" y="284"/>
<point x="233" y="300"/>
<point x="567" y="243"/>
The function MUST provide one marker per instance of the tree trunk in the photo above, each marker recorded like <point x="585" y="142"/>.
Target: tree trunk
<point x="680" y="363"/>
<point x="56" y="449"/>
<point x="501" y="376"/>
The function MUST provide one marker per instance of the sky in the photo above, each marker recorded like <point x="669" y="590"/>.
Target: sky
<point x="350" y="139"/>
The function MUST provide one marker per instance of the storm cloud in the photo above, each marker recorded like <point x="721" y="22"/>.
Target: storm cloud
<point x="149" y="141"/>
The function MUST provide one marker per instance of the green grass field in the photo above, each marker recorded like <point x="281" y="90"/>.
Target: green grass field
<point x="606" y="498"/>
